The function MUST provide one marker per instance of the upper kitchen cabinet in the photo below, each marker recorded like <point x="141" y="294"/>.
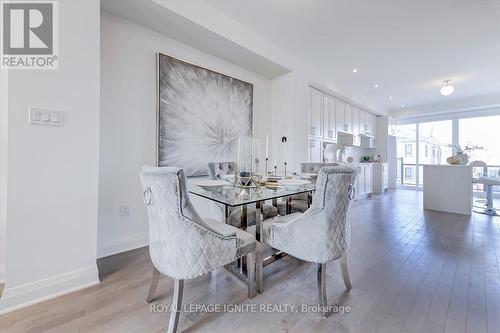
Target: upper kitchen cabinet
<point x="329" y="118"/>
<point x="356" y="128"/>
<point x="316" y="114"/>
<point x="371" y="124"/>
<point x="340" y="115"/>
<point x="363" y="121"/>
<point x="347" y="118"/>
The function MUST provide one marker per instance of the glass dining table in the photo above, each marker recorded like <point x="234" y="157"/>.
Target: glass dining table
<point x="232" y="197"/>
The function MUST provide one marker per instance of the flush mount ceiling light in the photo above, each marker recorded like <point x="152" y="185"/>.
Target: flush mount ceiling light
<point x="390" y="97"/>
<point x="355" y="70"/>
<point x="375" y="86"/>
<point x="402" y="105"/>
<point x="447" y="89"/>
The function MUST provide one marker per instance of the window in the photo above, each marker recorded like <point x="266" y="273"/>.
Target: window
<point x="479" y="138"/>
<point x="408" y="173"/>
<point x="408" y="150"/>
<point x="435" y="135"/>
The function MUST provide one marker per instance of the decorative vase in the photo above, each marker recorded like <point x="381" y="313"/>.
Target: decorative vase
<point x="249" y="166"/>
<point x="463" y="158"/>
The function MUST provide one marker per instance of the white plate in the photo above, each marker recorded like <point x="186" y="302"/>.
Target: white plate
<point x="211" y="184"/>
<point x="293" y="184"/>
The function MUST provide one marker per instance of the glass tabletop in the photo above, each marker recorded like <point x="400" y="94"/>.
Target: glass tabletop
<point x="235" y="196"/>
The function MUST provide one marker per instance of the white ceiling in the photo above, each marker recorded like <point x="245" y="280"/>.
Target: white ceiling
<point x="406" y="47"/>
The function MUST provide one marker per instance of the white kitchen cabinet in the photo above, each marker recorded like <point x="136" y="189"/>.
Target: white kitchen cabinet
<point x="347" y="118"/>
<point x="363" y="183"/>
<point x="356" y="128"/>
<point x="359" y="183"/>
<point x="316" y="114"/>
<point x="371" y="124"/>
<point x="315" y="151"/>
<point x="329" y="118"/>
<point x="368" y="179"/>
<point x="380" y="177"/>
<point x="363" y="121"/>
<point x="339" y="115"/>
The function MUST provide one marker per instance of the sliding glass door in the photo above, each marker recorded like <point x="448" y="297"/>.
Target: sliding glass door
<point x="480" y="138"/>
<point x="419" y="144"/>
<point x="406" y="138"/>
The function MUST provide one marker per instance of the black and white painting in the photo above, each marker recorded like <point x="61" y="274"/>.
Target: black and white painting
<point x="201" y="115"/>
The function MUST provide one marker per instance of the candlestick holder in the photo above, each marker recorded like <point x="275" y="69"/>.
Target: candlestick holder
<point x="285" y="169"/>
<point x="275" y="170"/>
<point x="267" y="160"/>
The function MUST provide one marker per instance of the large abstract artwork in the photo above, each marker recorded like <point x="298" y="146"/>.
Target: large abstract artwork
<point x="201" y="115"/>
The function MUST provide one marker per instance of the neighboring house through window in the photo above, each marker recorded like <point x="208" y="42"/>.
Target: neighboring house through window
<point x="408" y="173"/>
<point x="408" y="150"/>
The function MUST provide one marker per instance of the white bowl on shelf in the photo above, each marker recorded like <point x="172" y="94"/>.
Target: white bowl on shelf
<point x="211" y="185"/>
<point x="294" y="184"/>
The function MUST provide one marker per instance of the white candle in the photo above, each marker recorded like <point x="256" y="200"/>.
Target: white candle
<point x="275" y="156"/>
<point x="267" y="146"/>
<point x="284" y="152"/>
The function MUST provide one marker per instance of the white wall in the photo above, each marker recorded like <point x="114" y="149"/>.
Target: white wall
<point x="128" y="121"/>
<point x="3" y="168"/>
<point x="53" y="171"/>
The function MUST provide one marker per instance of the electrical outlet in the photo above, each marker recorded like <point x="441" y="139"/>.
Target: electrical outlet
<point x="124" y="210"/>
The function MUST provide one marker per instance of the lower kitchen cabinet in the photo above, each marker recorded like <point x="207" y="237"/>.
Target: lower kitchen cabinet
<point x="380" y="177"/>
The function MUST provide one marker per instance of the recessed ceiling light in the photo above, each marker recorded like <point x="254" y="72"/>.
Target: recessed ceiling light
<point x="402" y="105"/>
<point x="390" y="97"/>
<point x="375" y="85"/>
<point x="447" y="89"/>
<point x="355" y="70"/>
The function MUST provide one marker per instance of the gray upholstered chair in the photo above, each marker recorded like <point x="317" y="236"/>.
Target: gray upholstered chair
<point x="215" y="171"/>
<point x="321" y="234"/>
<point x="487" y="183"/>
<point x="182" y="245"/>
<point x="314" y="167"/>
<point x="300" y="202"/>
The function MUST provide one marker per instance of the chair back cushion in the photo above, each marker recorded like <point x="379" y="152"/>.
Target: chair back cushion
<point x="180" y="245"/>
<point x="314" y="167"/>
<point x="333" y="197"/>
<point x="217" y="169"/>
<point x="322" y="233"/>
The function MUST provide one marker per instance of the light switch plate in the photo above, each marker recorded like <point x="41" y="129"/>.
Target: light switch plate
<point x="39" y="116"/>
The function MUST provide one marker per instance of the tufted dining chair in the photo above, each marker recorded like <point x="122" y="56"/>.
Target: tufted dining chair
<point x="321" y="234"/>
<point x="215" y="171"/>
<point x="300" y="202"/>
<point x="182" y="245"/>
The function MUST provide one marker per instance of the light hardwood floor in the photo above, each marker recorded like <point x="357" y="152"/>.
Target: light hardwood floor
<point x="412" y="271"/>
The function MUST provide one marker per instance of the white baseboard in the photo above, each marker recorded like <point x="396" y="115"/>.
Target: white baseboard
<point x="42" y="290"/>
<point x="123" y="244"/>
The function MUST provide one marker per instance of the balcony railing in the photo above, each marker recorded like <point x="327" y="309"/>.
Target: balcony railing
<point x="407" y="174"/>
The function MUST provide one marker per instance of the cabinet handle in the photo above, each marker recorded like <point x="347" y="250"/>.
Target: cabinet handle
<point x="313" y="144"/>
<point x="330" y="134"/>
<point x="345" y="127"/>
<point x="313" y="130"/>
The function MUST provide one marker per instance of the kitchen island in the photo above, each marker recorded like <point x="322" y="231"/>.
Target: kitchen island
<point x="448" y="188"/>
